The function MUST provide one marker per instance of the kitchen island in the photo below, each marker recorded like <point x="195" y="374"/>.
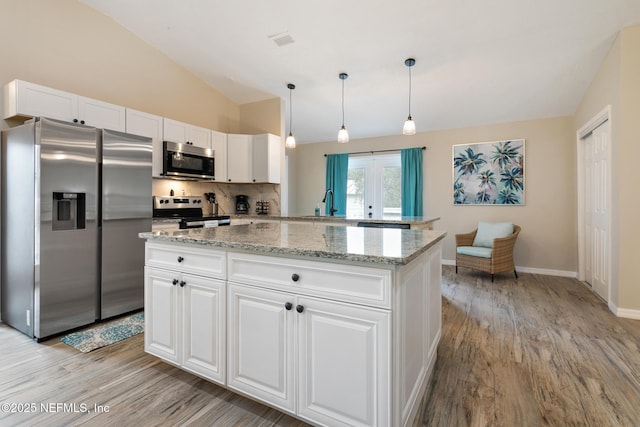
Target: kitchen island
<point x="336" y="325"/>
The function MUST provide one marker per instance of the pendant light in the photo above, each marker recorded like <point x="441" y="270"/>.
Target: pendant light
<point x="409" y="127"/>
<point x="290" y="142"/>
<point x="343" y="135"/>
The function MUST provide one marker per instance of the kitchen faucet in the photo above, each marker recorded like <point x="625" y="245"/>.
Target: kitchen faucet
<point x="332" y="210"/>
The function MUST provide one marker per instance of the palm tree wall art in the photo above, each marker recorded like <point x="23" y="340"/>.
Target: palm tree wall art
<point x="489" y="173"/>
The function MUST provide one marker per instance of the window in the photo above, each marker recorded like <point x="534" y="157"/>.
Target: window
<point x="373" y="187"/>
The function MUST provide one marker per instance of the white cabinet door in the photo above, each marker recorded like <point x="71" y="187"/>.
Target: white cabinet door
<point x="239" y="158"/>
<point x="219" y="146"/>
<point x="161" y="313"/>
<point x="149" y="125"/>
<point x="174" y="131"/>
<point x="31" y="100"/>
<point x="260" y="345"/>
<point x="198" y="136"/>
<point x="203" y="326"/>
<point x="103" y="115"/>
<point x="344" y="363"/>
<point x="266" y="158"/>
<point x="183" y="133"/>
<point x="185" y="321"/>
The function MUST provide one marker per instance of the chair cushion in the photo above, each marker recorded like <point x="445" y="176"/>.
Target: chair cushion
<point x="478" y="251"/>
<point x="487" y="231"/>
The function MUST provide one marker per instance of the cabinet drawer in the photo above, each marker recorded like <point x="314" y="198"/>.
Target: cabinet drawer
<point x="363" y="285"/>
<point x="203" y="261"/>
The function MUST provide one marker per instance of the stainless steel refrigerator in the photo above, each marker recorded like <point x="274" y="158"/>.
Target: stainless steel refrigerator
<point x="72" y="196"/>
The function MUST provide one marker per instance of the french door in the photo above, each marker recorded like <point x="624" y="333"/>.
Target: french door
<point x="373" y="187"/>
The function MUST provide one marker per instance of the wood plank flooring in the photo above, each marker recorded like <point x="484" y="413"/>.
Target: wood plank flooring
<point x="534" y="351"/>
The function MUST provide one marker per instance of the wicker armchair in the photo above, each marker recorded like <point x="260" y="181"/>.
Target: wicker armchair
<point x="501" y="254"/>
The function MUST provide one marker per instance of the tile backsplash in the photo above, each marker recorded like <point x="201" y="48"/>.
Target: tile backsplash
<point x="225" y="194"/>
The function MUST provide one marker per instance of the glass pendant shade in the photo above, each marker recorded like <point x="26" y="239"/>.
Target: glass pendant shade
<point x="343" y="135"/>
<point x="290" y="142"/>
<point x="409" y="127"/>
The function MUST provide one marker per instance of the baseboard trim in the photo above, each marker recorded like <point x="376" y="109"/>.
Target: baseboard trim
<point x="627" y="313"/>
<point x="543" y="271"/>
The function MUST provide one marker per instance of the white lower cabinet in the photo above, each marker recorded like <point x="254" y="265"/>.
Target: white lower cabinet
<point x="185" y="321"/>
<point x="261" y="345"/>
<point x="327" y="362"/>
<point x="332" y="343"/>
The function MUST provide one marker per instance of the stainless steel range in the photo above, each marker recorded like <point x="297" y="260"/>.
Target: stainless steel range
<point x="188" y="209"/>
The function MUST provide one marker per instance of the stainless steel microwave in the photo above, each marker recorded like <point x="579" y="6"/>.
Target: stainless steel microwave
<point x="189" y="161"/>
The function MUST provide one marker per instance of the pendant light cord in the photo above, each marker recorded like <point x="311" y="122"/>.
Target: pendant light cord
<point x="342" y="102"/>
<point x="290" y="112"/>
<point x="409" y="91"/>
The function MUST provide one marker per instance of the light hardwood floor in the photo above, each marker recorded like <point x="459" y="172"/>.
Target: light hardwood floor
<point x="534" y="351"/>
<point x="538" y="350"/>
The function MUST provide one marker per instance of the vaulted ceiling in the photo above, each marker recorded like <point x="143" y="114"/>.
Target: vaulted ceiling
<point x="477" y="62"/>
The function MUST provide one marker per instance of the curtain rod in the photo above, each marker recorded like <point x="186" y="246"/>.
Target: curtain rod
<point x="375" y="151"/>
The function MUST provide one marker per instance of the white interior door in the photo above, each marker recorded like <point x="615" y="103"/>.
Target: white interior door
<point x="596" y="209"/>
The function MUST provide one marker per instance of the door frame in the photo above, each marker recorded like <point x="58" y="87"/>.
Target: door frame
<point x="601" y="117"/>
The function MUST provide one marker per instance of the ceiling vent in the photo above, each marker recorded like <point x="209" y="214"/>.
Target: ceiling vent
<point x="282" y="39"/>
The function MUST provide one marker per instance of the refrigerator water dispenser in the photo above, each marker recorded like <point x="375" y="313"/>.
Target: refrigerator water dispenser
<point x="68" y="211"/>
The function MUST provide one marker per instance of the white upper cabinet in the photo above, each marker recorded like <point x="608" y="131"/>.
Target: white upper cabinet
<point x="239" y="158"/>
<point x="253" y="158"/>
<point x="103" y="115"/>
<point x="31" y="100"/>
<point x="219" y="147"/>
<point x="149" y="125"/>
<point x="266" y="158"/>
<point x="185" y="133"/>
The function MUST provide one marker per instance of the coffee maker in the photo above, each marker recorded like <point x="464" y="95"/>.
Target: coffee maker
<point x="242" y="204"/>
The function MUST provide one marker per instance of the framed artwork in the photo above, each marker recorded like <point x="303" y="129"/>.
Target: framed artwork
<point x="489" y="173"/>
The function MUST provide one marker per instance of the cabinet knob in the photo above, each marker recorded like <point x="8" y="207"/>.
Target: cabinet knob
<point x="299" y="308"/>
<point x="288" y="306"/>
<point x="295" y="277"/>
<point x="175" y="282"/>
<point x="180" y="259"/>
<point x="182" y="283"/>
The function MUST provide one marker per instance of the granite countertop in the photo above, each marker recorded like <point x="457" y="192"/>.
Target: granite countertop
<point x="343" y="219"/>
<point x="339" y="242"/>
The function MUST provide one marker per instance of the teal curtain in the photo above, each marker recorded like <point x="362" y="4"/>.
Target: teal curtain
<point x="337" y="171"/>
<point x="411" y="182"/>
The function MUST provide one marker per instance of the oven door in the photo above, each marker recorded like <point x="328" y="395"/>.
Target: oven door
<point x="182" y="160"/>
